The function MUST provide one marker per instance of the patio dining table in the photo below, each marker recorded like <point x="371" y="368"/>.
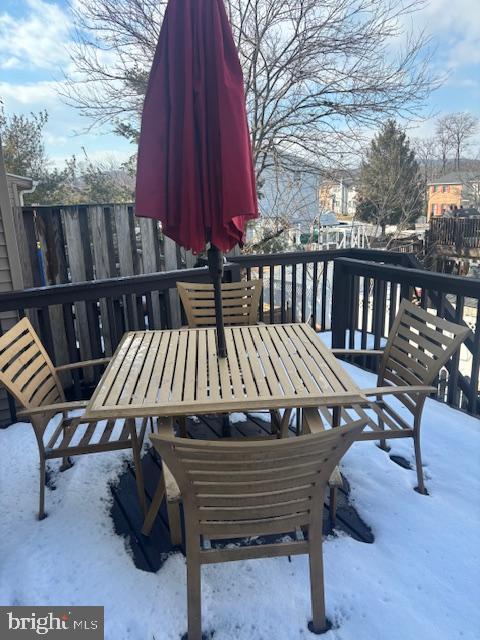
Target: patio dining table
<point x="177" y="373"/>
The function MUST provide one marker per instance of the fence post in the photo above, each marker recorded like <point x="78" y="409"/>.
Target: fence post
<point x="339" y="305"/>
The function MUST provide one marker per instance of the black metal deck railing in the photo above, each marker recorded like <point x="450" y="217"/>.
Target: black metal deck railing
<point x="355" y="293"/>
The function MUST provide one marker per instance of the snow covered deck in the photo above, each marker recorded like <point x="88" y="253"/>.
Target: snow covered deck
<point x="419" y="579"/>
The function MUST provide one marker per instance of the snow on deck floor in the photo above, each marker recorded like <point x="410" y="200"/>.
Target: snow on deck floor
<point x="420" y="578"/>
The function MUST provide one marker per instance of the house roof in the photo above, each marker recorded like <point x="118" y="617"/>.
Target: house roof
<point x="21" y="181"/>
<point x="456" y="177"/>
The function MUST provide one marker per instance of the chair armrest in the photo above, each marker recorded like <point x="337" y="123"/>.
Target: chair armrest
<point x="82" y="365"/>
<point x="358" y="352"/>
<point x="398" y="391"/>
<point x="52" y="408"/>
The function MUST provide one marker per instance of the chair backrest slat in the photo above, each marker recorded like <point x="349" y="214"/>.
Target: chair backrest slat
<point x="240" y="489"/>
<point x="419" y="345"/>
<point x="240" y="301"/>
<point x="26" y="370"/>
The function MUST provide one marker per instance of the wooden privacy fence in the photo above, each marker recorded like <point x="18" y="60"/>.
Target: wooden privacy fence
<point x="92" y="242"/>
<point x="462" y="235"/>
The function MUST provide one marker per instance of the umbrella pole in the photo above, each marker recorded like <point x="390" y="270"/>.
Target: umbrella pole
<point x="215" y="266"/>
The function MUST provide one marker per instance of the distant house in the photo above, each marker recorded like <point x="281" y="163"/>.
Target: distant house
<point x="454" y="189"/>
<point x="338" y="193"/>
<point x="289" y="189"/>
<point x="17" y="186"/>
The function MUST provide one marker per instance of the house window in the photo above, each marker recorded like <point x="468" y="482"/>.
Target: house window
<point x="448" y="188"/>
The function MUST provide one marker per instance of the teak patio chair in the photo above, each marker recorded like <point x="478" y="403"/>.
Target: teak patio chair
<point x="28" y="374"/>
<point x="240" y="301"/>
<point x="418" y="346"/>
<point x="242" y="489"/>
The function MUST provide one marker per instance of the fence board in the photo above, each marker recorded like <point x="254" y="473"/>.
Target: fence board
<point x="104" y="260"/>
<point x="123" y="225"/>
<point x="151" y="264"/>
<point x="52" y="243"/>
<point x="78" y="273"/>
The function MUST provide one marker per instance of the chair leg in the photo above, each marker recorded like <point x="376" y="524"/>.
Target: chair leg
<point x="137" y="460"/>
<point x="319" y="622"/>
<point x="332" y="507"/>
<point x="41" y="508"/>
<point x="383" y="443"/>
<point x="194" y="598"/>
<point x="418" y="463"/>
<point x="274" y="421"/>
<point x="174" y="523"/>
<point x="67" y="463"/>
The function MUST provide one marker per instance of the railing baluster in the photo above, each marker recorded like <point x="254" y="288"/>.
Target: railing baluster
<point x="260" y="311"/>
<point x="282" y="293"/>
<point x="315" y="295"/>
<point x="46" y="335"/>
<point x="324" y="295"/>
<point x="453" y="391"/>
<point x="365" y="306"/>
<point x="393" y="303"/>
<point x="272" y="293"/>
<point x="141" y="325"/>
<point x="304" y="292"/>
<point x="474" y="400"/>
<point x="294" y="292"/>
<point x="73" y="352"/>
<point x="150" y="312"/>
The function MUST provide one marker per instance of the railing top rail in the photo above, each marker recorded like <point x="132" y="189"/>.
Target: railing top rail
<point x="95" y="289"/>
<point x="441" y="282"/>
<point x="299" y="257"/>
<point x="40" y="207"/>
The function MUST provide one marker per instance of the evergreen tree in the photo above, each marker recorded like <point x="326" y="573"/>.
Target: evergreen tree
<point x="390" y="189"/>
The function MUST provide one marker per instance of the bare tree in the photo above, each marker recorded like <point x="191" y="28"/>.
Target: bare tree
<point x="456" y="130"/>
<point x="427" y="153"/>
<point x="316" y="71"/>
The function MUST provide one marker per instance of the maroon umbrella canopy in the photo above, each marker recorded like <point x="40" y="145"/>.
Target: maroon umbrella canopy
<point x="195" y="170"/>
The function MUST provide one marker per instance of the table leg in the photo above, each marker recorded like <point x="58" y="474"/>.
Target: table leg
<point x="337" y="412"/>
<point x="283" y="432"/>
<point x="168" y="489"/>
<point x="154" y="507"/>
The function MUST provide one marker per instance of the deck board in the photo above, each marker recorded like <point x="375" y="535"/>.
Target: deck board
<point x="149" y="553"/>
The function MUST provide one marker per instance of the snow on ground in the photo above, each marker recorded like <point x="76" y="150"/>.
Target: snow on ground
<point x="419" y="579"/>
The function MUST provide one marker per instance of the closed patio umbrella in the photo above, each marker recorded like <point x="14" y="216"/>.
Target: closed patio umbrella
<point x="195" y="171"/>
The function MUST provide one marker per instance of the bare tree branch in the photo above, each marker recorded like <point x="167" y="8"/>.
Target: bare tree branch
<point x="316" y="71"/>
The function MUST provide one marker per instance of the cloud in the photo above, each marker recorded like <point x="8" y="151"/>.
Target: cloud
<point x="38" y="40"/>
<point x="41" y="94"/>
<point x="455" y="27"/>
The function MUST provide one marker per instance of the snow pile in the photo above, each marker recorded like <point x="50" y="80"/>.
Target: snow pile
<point x="420" y="578"/>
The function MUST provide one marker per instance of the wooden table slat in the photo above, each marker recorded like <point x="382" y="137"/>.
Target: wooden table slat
<point x="178" y="373"/>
